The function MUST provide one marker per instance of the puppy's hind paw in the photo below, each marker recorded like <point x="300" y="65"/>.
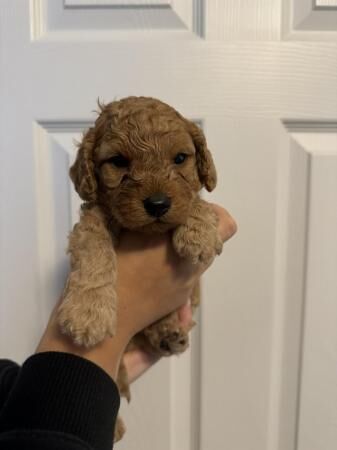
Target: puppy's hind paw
<point x="167" y="341"/>
<point x="218" y="245"/>
<point x="120" y="429"/>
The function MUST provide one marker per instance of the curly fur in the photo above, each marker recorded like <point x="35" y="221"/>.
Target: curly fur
<point x="149" y="134"/>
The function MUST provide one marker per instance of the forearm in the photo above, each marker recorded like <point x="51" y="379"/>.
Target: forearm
<point x="8" y="373"/>
<point x="60" y="397"/>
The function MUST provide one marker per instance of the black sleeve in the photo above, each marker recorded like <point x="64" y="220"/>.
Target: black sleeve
<point x="56" y="401"/>
<point x="8" y="373"/>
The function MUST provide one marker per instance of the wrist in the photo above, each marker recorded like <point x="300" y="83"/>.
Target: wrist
<point x="107" y="354"/>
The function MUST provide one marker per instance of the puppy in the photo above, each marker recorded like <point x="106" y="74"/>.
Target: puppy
<point x="140" y="167"/>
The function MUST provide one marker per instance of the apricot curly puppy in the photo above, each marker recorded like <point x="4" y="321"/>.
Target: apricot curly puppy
<point x="140" y="167"/>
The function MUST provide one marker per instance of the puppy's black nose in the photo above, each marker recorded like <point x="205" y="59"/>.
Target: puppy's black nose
<point x="157" y="205"/>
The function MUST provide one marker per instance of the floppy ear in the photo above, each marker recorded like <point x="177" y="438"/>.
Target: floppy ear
<point x="82" y="171"/>
<point x="205" y="164"/>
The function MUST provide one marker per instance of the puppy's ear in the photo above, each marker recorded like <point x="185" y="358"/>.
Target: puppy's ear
<point x="82" y="171"/>
<point x="205" y="164"/>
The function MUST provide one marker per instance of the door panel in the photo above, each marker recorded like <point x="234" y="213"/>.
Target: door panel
<point x="261" y="79"/>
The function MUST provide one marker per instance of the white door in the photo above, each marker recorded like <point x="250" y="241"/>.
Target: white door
<point x="261" y="76"/>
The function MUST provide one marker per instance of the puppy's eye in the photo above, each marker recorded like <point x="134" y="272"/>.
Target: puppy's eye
<point x="119" y="161"/>
<point x="180" y="158"/>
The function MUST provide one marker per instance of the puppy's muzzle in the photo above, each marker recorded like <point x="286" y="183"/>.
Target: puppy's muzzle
<point x="157" y="204"/>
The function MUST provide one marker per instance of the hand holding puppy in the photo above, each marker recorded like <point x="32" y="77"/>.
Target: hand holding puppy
<point x="171" y="284"/>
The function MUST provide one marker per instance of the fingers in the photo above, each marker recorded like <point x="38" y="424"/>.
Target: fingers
<point x="227" y="225"/>
<point x="137" y="362"/>
<point x="185" y="315"/>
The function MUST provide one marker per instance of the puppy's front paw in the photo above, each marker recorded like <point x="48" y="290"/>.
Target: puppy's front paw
<point x="197" y="243"/>
<point x="88" y="318"/>
<point x="165" y="340"/>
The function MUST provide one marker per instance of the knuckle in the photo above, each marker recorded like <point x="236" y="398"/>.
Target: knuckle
<point x="226" y="224"/>
<point x="228" y="228"/>
<point x="232" y="226"/>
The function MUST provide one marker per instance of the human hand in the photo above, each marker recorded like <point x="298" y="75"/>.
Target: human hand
<point x="138" y="361"/>
<point x="152" y="282"/>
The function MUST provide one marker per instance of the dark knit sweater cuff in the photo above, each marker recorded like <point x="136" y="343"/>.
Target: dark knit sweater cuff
<point x="62" y="392"/>
<point x="8" y="372"/>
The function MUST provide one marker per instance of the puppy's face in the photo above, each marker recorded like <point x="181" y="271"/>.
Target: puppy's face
<point x="147" y="182"/>
<point x="144" y="168"/>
